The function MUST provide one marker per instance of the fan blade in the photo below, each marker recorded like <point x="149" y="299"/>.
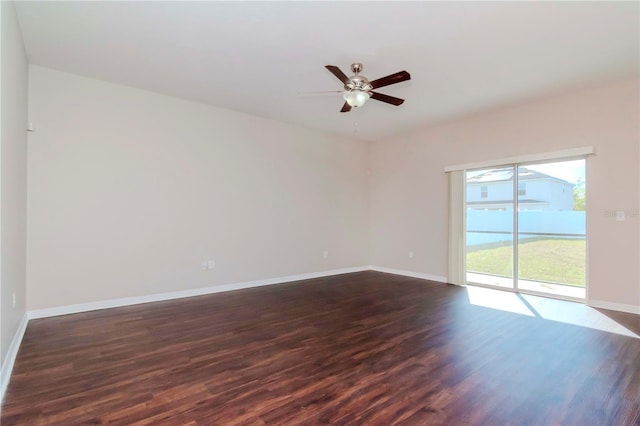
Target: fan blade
<point x="317" y="94"/>
<point x="336" y="71"/>
<point x="346" y="107"/>
<point x="386" y="98"/>
<point x="390" y="79"/>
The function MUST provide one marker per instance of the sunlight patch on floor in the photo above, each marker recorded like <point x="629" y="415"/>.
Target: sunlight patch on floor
<point x="545" y="308"/>
<point x="538" y="286"/>
<point x="501" y="300"/>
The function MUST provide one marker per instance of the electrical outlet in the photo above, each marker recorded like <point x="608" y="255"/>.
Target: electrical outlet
<point x="211" y="264"/>
<point x="325" y="254"/>
<point x="203" y="265"/>
<point x="410" y="255"/>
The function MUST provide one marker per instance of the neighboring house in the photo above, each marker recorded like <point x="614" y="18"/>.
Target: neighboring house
<point x="493" y="190"/>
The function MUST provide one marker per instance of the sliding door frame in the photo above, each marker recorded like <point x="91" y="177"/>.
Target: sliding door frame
<point x="515" y="231"/>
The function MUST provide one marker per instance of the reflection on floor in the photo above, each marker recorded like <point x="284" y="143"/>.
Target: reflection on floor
<point x="548" y="309"/>
<point x="537" y="286"/>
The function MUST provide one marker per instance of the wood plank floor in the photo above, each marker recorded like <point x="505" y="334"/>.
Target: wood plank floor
<point x="361" y="349"/>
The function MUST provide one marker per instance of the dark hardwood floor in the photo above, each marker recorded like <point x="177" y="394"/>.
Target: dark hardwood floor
<point x="361" y="349"/>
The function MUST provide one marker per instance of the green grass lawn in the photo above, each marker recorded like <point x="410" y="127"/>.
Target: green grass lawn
<point x="552" y="260"/>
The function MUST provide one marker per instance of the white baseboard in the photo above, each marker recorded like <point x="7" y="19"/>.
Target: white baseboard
<point x="622" y="307"/>
<point x="438" y="278"/>
<point x="159" y="297"/>
<point x="12" y="353"/>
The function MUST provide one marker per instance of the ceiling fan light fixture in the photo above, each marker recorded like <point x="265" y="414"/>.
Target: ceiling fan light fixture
<point x="356" y="98"/>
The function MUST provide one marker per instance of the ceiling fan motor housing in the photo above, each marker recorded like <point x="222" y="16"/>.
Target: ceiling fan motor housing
<point x="357" y="82"/>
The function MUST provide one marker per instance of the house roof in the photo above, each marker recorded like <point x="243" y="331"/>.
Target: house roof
<point x="507" y="202"/>
<point x="506" y="174"/>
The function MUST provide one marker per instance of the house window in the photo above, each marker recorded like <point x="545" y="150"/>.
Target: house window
<point x="483" y="192"/>
<point x="522" y="188"/>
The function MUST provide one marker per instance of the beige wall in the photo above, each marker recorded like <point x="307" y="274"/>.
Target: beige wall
<point x="13" y="177"/>
<point x="409" y="188"/>
<point x="130" y="190"/>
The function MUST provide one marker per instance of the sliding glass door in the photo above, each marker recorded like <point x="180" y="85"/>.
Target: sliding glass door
<point x="526" y="228"/>
<point x="552" y="228"/>
<point x="490" y="226"/>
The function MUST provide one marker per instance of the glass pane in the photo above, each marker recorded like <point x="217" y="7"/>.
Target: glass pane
<point x="552" y="228"/>
<point x="490" y="236"/>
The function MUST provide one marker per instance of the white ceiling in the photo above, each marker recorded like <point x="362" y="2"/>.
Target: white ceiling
<point x="258" y="57"/>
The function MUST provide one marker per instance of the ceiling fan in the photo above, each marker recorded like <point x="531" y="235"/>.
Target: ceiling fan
<point x="358" y="88"/>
